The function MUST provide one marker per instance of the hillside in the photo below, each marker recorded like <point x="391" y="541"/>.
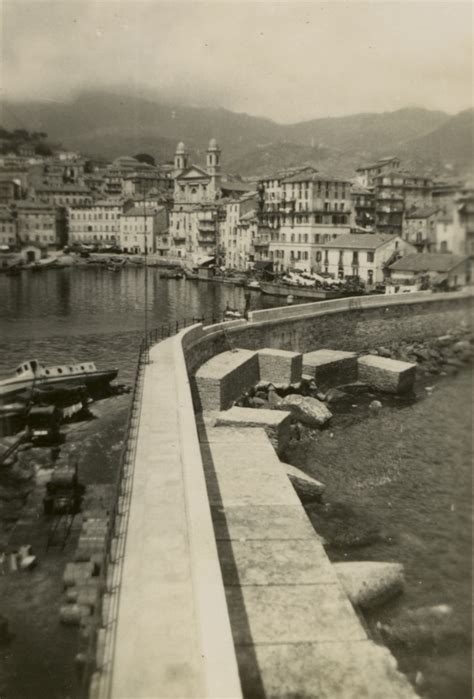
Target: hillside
<point x="112" y="124"/>
<point x="452" y="142"/>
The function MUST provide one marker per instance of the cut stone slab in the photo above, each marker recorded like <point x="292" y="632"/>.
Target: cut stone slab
<point x="276" y="423"/>
<point x="336" y="670"/>
<point x="223" y="378"/>
<point x="389" y="375"/>
<point x="280" y="366"/>
<point x="307" y="488"/>
<point x="305" y="409"/>
<point x="369" y="583"/>
<point x="330" y="367"/>
<point x="287" y="562"/>
<point x="256" y="522"/>
<point x="292" y="614"/>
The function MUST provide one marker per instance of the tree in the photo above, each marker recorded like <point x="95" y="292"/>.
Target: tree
<point x="145" y="158"/>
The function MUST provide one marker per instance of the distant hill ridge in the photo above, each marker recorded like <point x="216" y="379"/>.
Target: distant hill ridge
<point x="113" y="124"/>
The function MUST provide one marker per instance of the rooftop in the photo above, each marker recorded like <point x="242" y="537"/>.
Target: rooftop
<point x="312" y="176"/>
<point x="143" y="211"/>
<point x="379" y="163"/>
<point x="422" y="212"/>
<point x="428" y="262"/>
<point x="360" y="241"/>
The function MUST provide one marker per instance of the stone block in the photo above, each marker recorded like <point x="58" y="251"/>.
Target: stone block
<point x="223" y="378"/>
<point x="384" y="374"/>
<point x="280" y="366"/>
<point x="276" y="423"/>
<point x="370" y="583"/>
<point x="330" y="367"/>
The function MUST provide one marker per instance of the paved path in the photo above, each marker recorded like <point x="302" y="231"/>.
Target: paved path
<point x="295" y="631"/>
<point x="173" y="637"/>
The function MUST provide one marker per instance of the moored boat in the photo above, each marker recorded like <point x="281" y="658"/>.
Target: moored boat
<point x="282" y="289"/>
<point x="31" y="375"/>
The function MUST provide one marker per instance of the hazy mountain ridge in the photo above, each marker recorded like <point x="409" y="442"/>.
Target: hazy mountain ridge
<point x="112" y="124"/>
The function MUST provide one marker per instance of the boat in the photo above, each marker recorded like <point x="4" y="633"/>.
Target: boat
<point x="31" y="375"/>
<point x="190" y="273"/>
<point x="254" y="285"/>
<point x="283" y="289"/>
<point x="170" y="274"/>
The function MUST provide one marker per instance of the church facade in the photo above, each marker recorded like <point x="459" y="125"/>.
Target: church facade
<point x="194" y="217"/>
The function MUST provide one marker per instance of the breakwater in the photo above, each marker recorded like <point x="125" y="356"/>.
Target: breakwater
<point x="344" y="324"/>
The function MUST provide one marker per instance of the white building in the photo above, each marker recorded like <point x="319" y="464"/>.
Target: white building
<point x="140" y="228"/>
<point x="365" y="255"/>
<point x="98" y="223"/>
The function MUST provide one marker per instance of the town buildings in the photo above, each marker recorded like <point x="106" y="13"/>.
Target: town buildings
<point x="365" y="256"/>
<point x="294" y="219"/>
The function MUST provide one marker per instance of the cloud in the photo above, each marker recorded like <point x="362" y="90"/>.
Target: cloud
<point x="286" y="60"/>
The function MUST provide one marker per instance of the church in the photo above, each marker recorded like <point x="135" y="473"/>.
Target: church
<point x="193" y="184"/>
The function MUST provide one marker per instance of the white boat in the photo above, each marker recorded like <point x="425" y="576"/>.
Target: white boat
<point x="32" y="375"/>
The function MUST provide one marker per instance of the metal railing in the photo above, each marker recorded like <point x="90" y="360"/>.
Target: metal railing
<point x="99" y="656"/>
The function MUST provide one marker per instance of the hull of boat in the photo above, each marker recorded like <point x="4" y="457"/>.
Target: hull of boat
<point x="297" y="291"/>
<point x="93" y="382"/>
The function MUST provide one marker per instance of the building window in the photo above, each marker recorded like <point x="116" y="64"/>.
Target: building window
<point x="370" y="257"/>
<point x="370" y="276"/>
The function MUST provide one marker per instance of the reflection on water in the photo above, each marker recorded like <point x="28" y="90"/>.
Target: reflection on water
<point x="59" y="315"/>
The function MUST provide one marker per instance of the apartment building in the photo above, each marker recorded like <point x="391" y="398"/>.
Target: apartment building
<point x="312" y="209"/>
<point x="419" y="228"/>
<point x="36" y="223"/>
<point x="8" y="237"/>
<point x="366" y="174"/>
<point x="97" y="223"/>
<point x="141" y="227"/>
<point x="64" y="195"/>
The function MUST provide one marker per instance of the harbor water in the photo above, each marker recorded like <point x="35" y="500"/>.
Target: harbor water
<point x="398" y="483"/>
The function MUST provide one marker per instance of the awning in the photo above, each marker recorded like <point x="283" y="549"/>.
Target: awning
<point x="263" y="264"/>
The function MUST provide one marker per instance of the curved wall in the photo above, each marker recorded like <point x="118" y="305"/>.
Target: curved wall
<point x="354" y="324"/>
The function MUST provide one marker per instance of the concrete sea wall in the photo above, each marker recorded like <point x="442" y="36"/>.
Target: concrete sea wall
<point x="168" y="577"/>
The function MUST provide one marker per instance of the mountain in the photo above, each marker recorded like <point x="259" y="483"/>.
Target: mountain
<point x="451" y="142"/>
<point x="117" y="123"/>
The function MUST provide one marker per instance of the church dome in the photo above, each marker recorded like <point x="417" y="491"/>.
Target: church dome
<point x="213" y="145"/>
<point x="180" y="148"/>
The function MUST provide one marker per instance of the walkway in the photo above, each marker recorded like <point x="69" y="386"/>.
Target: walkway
<point x="295" y="631"/>
<point x="173" y="637"/>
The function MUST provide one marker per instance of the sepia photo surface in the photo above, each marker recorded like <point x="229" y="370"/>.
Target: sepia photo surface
<point x="236" y="345"/>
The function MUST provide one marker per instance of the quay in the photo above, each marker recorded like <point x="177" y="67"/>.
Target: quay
<point x="217" y="584"/>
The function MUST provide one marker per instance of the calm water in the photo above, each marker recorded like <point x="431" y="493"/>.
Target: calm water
<point x="60" y="315"/>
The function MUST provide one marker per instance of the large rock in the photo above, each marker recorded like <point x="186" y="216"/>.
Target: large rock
<point x="369" y="583"/>
<point x="310" y="411"/>
<point x="307" y="487"/>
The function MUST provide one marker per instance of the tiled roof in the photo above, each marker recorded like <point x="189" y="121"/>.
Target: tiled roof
<point x="427" y="262"/>
<point x="422" y="213"/>
<point x="312" y="177"/>
<point x="379" y="163"/>
<point x="63" y="188"/>
<point x="236" y="186"/>
<point x="360" y="241"/>
<point x="142" y="211"/>
<point x="358" y="189"/>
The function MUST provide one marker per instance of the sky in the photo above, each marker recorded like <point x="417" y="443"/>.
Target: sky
<point x="287" y="60"/>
